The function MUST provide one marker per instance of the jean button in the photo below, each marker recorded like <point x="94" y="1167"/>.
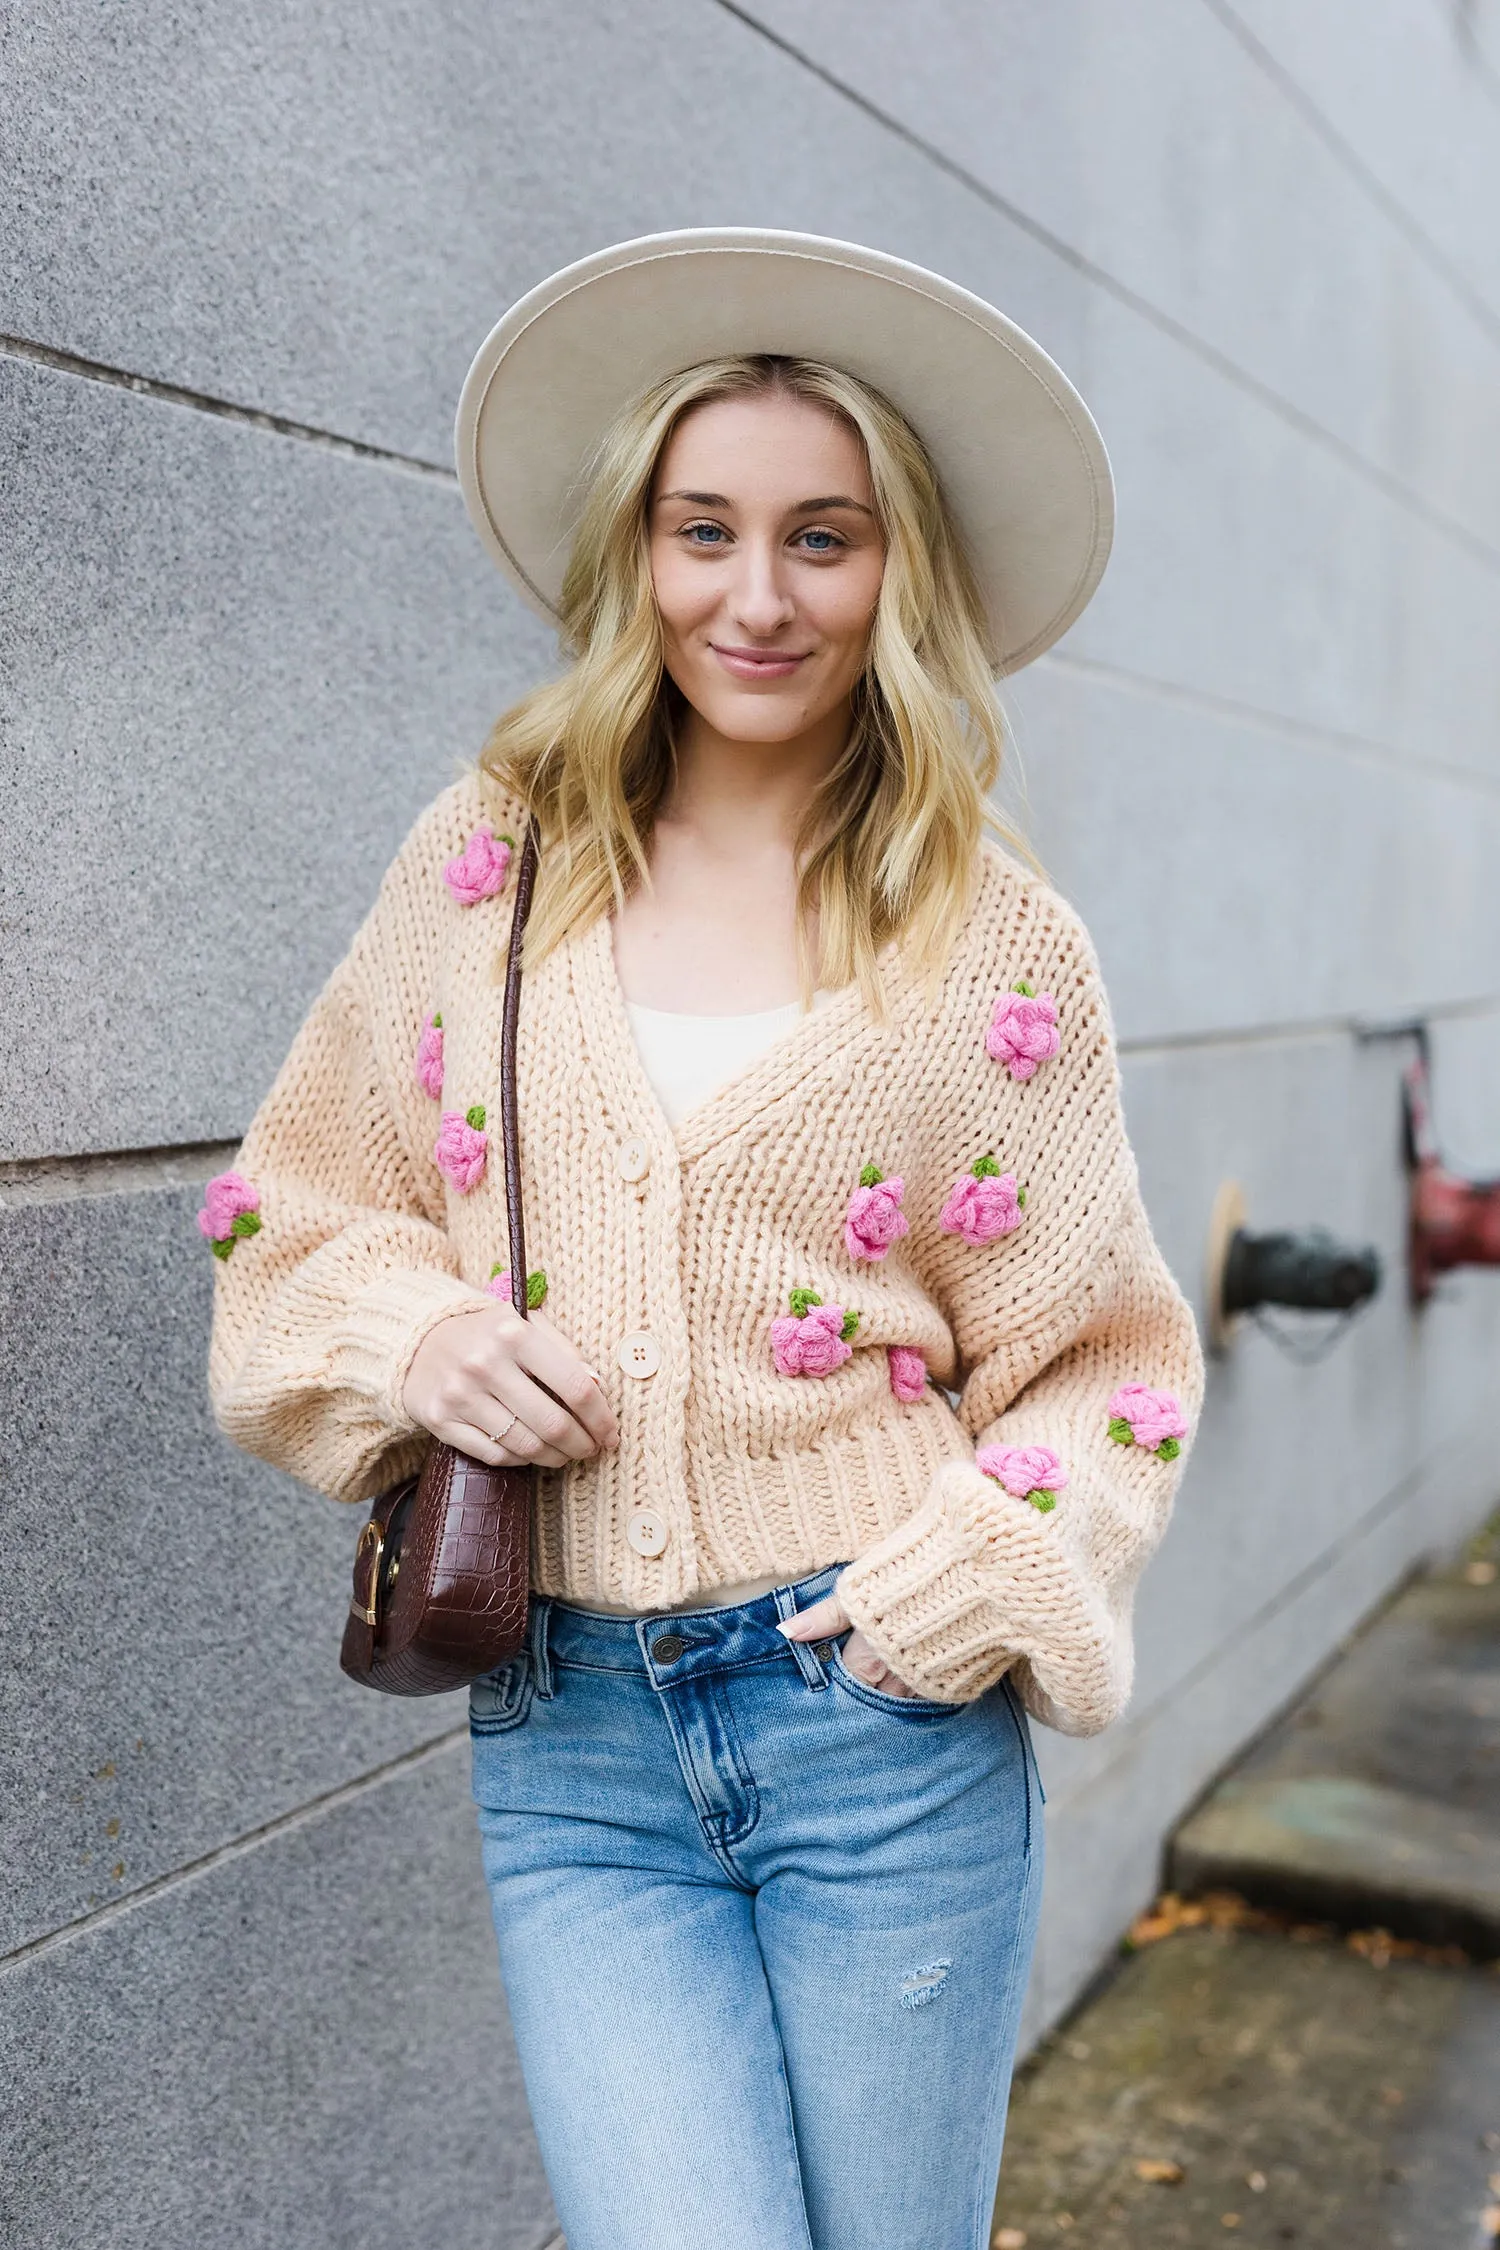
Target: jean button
<point x="667" y="1647"/>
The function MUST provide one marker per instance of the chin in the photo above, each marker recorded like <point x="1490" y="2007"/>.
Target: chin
<point x="761" y="716"/>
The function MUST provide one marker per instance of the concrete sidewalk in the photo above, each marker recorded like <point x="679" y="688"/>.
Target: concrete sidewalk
<point x="1308" y="2053"/>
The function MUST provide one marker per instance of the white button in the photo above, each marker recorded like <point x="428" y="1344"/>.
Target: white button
<point x="639" y="1353"/>
<point x="634" y="1159"/>
<point x="647" y="1532"/>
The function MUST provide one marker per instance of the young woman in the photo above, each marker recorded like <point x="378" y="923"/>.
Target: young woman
<point x="860" y="1385"/>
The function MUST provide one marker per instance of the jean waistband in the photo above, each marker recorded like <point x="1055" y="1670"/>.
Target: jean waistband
<point x="682" y="1643"/>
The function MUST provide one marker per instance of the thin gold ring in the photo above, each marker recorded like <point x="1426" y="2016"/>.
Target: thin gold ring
<point x="506" y="1426"/>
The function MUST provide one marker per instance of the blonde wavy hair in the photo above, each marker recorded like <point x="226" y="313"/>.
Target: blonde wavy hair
<point x="889" y="843"/>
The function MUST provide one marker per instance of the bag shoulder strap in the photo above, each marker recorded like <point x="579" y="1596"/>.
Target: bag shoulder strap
<point x="510" y="1129"/>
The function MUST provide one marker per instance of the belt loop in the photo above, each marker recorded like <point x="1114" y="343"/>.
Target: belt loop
<point x="541" y="1657"/>
<point x="809" y="1663"/>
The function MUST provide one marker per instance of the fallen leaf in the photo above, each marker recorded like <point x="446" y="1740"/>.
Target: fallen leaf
<point x="1009" y="2238"/>
<point x="1490" y="2221"/>
<point x="1160" y="2170"/>
<point x="1392" y="2096"/>
<point x="1230" y="2219"/>
<point x="1256" y="2182"/>
<point x="1481" y="1573"/>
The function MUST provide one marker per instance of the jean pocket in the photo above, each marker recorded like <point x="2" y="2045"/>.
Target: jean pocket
<point x="900" y="1706"/>
<point x="502" y="1698"/>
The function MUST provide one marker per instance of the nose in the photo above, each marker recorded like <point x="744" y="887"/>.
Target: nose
<point x="759" y="599"/>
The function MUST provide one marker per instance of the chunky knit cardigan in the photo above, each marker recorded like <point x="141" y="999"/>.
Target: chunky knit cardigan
<point x="779" y="1297"/>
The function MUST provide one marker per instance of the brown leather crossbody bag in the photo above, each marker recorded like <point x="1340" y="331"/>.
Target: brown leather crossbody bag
<point x="443" y="1567"/>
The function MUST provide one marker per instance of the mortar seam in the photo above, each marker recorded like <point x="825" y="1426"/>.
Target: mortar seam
<point x="226" y="410"/>
<point x="222" y="1855"/>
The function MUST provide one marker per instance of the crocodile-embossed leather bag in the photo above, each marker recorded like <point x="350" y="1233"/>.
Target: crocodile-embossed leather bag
<point x="443" y="1567"/>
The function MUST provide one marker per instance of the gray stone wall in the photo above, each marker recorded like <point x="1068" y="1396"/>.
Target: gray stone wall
<point x="245" y="634"/>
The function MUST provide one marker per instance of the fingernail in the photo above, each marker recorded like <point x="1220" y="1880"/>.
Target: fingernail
<point x="788" y="1625"/>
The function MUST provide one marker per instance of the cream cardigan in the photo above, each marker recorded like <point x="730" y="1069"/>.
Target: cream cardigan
<point x="668" y="1258"/>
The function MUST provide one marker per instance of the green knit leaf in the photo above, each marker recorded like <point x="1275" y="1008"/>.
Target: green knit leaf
<point x="871" y="1176"/>
<point x="1020" y="1199"/>
<point x="497" y="1268"/>
<point x="986" y="1169"/>
<point x="801" y="1299"/>
<point x="1169" y="1449"/>
<point x="536" y="1290"/>
<point x="1043" y="1502"/>
<point x="222" y="1249"/>
<point x="475" y="1117"/>
<point x="1027" y="991"/>
<point x="1121" y="1432"/>
<point x="437" y="1023"/>
<point x="850" y="1324"/>
<point x="509" y="840"/>
<point x="245" y="1222"/>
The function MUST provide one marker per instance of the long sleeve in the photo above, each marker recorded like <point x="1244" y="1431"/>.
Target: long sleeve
<point x="1051" y="1323"/>
<point x="319" y="1313"/>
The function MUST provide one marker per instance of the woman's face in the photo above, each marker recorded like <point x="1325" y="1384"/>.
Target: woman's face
<point x="766" y="557"/>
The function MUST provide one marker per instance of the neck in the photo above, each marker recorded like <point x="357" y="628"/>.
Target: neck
<point x="756" y="792"/>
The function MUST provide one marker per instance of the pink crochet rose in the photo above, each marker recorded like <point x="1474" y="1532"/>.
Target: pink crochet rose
<point x="498" y="1285"/>
<point x="983" y="1204"/>
<point x="429" y="1065"/>
<point x="1023" y="1030"/>
<point x="908" y="1373"/>
<point x="875" y="1218"/>
<point x="1153" y="1419"/>
<point x="461" y="1149"/>
<point x="813" y="1338"/>
<point x="230" y="1212"/>
<point x="481" y="868"/>
<point x="1028" y="1472"/>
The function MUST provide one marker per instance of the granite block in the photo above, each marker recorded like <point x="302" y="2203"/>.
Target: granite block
<point x="1255" y="567"/>
<point x="304" y="2047"/>
<point x="1149" y="141"/>
<point x="1293" y="880"/>
<point x="320" y="214"/>
<point x="1410" y="93"/>
<point x="233" y="667"/>
<point x="171" y="1609"/>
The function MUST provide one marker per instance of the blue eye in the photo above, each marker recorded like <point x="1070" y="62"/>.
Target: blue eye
<point x="705" y="534"/>
<point x="821" y="542"/>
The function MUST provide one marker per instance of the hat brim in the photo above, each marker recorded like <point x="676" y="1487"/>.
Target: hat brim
<point x="1020" y="459"/>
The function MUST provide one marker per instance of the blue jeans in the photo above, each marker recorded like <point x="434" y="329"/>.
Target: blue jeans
<point x="764" y="1931"/>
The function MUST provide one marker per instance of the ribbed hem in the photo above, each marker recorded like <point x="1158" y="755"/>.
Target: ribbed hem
<point x="921" y="1599"/>
<point x="376" y="1342"/>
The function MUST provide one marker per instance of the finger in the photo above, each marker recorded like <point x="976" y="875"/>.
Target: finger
<point x="820" y="1622"/>
<point x="469" y="1438"/>
<point x="541" y="1423"/>
<point x="557" y="1366"/>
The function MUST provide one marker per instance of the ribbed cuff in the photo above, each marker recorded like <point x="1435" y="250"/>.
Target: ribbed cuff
<point x="920" y="1597"/>
<point x="376" y="1342"/>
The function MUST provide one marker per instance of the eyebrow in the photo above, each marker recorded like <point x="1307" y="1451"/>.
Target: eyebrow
<point x="816" y="507"/>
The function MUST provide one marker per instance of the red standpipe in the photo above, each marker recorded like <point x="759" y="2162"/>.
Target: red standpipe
<point x="1453" y="1221"/>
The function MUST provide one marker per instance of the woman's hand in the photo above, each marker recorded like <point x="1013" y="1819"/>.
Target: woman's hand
<point x="481" y="1381"/>
<point x="824" y="1621"/>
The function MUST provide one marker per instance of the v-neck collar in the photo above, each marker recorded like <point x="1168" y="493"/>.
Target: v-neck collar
<point x="774" y="1072"/>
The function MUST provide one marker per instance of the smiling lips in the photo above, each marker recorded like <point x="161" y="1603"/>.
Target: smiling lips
<point x="759" y="663"/>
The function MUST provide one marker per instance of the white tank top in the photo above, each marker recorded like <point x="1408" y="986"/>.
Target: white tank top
<point x="687" y="1058"/>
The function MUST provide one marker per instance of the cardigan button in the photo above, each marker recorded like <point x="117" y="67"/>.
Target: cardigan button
<point x="639" y="1353"/>
<point x="633" y="1158"/>
<point x="647" y="1532"/>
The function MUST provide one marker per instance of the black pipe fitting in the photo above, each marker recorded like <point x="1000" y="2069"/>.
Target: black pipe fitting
<point x="1311" y="1270"/>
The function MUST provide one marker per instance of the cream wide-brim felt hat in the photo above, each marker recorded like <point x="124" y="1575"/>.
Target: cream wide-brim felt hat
<point x="1020" y="460"/>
